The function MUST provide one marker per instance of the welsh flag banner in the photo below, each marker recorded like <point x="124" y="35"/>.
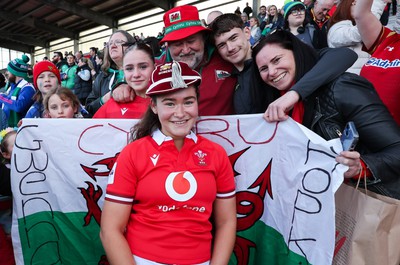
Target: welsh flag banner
<point x="285" y="174"/>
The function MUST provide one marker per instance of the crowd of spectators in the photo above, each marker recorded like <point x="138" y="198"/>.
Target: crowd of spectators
<point x="225" y="49"/>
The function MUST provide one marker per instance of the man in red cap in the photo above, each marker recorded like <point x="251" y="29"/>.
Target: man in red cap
<point x="186" y="42"/>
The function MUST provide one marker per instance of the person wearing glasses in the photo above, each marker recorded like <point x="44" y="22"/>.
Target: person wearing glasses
<point x="283" y="60"/>
<point x="187" y="41"/>
<point x="232" y="42"/>
<point x="295" y="22"/>
<point x="111" y="70"/>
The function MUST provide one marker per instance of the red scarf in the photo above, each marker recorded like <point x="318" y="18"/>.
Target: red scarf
<point x="297" y="111"/>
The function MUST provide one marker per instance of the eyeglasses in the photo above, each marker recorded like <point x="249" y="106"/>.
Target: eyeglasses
<point x="298" y="12"/>
<point x="115" y="42"/>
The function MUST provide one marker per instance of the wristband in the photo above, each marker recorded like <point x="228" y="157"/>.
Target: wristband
<point x="101" y="101"/>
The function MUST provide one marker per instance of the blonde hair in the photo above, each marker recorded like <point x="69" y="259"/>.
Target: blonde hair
<point x="87" y="61"/>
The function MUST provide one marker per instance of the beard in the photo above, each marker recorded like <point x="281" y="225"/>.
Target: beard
<point x="11" y="78"/>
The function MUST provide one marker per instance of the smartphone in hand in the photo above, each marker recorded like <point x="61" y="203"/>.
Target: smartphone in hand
<point x="349" y="137"/>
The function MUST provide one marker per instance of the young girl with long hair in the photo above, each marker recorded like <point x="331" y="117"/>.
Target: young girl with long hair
<point x="138" y="64"/>
<point x="61" y="103"/>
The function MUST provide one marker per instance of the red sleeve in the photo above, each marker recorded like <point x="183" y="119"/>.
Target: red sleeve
<point x="123" y="178"/>
<point x="364" y="172"/>
<point x="101" y="113"/>
<point x="382" y="36"/>
<point x="225" y="178"/>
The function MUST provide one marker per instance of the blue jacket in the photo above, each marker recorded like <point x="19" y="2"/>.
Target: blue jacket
<point x="19" y="103"/>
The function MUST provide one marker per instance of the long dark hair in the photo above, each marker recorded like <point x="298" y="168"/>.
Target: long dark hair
<point x="147" y="124"/>
<point x="140" y="46"/>
<point x="305" y="58"/>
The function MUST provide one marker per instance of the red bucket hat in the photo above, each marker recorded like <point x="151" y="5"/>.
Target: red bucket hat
<point x="44" y="66"/>
<point x="181" y="22"/>
<point x="170" y="77"/>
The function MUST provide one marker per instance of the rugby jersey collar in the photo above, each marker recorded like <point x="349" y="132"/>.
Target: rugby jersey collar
<point x="159" y="137"/>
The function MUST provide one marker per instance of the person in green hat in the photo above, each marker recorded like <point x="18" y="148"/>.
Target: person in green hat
<point x="19" y="96"/>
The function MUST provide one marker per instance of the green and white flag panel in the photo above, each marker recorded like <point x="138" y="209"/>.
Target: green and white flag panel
<point x="285" y="175"/>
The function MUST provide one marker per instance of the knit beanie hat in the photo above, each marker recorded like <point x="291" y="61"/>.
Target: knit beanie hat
<point x="289" y="6"/>
<point x="19" y="67"/>
<point x="44" y="66"/>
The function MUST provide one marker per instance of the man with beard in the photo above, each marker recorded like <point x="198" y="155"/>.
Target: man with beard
<point x="263" y="13"/>
<point x="58" y="60"/>
<point x="186" y="41"/>
<point x="19" y="96"/>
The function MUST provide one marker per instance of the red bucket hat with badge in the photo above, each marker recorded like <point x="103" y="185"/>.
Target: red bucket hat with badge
<point x="181" y="22"/>
<point x="170" y="77"/>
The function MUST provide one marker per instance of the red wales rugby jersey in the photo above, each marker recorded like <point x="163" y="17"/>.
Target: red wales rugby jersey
<point x="383" y="70"/>
<point x="172" y="195"/>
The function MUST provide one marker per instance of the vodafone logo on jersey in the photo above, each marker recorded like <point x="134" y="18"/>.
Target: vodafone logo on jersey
<point x="181" y="186"/>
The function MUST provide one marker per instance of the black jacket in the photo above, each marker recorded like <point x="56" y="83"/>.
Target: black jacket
<point x="101" y="86"/>
<point x="320" y="36"/>
<point x="242" y="97"/>
<point x="352" y="98"/>
<point x="82" y="88"/>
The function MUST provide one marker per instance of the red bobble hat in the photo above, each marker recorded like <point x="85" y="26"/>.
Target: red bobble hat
<point x="170" y="77"/>
<point x="181" y="22"/>
<point x="44" y="66"/>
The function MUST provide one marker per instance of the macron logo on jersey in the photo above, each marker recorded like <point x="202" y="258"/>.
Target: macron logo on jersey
<point x="181" y="186"/>
<point x="123" y="111"/>
<point x="154" y="159"/>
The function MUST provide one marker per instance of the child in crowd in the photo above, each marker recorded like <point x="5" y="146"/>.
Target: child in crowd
<point x="138" y="64"/>
<point x="61" y="103"/>
<point x="46" y="77"/>
<point x="7" y="138"/>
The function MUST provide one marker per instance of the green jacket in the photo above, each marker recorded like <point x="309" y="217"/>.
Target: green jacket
<point x="70" y="71"/>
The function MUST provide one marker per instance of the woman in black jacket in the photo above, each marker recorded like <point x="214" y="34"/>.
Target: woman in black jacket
<point x="83" y="79"/>
<point x="282" y="60"/>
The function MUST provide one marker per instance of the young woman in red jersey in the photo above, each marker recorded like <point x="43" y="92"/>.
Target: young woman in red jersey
<point x="168" y="183"/>
<point x="138" y="64"/>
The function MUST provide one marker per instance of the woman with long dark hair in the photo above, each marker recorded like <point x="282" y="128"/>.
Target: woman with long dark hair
<point x="282" y="60"/>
